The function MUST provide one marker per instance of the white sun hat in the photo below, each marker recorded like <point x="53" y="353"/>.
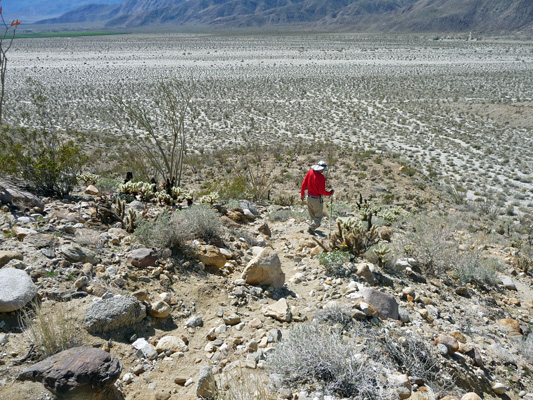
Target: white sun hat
<point x="321" y="166"/>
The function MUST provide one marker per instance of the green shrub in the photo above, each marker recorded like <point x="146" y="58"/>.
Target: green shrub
<point x="334" y="261"/>
<point x="471" y="268"/>
<point x="50" y="164"/>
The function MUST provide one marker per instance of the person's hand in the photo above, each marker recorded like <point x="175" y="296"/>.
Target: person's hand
<point x="303" y="198"/>
<point x="332" y="191"/>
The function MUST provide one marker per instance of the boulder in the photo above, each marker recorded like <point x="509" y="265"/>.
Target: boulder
<point x="142" y="258"/>
<point x="206" y="387"/>
<point x="92" y="190"/>
<point x="451" y="343"/>
<point x="170" y="343"/>
<point x="19" y="198"/>
<point x="512" y="325"/>
<point x="210" y="255"/>
<point x="279" y="311"/>
<point x="194" y="322"/>
<point x="76" y="373"/>
<point x="364" y="271"/>
<point x="114" y="313"/>
<point x="16" y="289"/>
<point x="471" y="396"/>
<point x="144" y="349"/>
<point x="385" y="304"/>
<point x="507" y="282"/>
<point x="75" y="253"/>
<point x="7" y="256"/>
<point x="264" y="269"/>
<point x="159" y="309"/>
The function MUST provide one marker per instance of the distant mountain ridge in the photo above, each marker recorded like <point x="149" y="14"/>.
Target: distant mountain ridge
<point x="374" y="15"/>
<point x="33" y="10"/>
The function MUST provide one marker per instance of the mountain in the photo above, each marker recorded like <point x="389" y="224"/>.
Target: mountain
<point x="33" y="10"/>
<point x="375" y="15"/>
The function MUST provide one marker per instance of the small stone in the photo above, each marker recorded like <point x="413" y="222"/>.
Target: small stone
<point x="206" y="386"/>
<point x="471" y="396"/>
<point x="499" y="388"/>
<point x="255" y="323"/>
<point x="159" y="309"/>
<point x="232" y="319"/>
<point x="450" y="342"/>
<point x="194" y="322"/>
<point x="180" y="380"/>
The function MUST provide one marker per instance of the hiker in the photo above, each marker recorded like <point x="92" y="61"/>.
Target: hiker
<point x="315" y="184"/>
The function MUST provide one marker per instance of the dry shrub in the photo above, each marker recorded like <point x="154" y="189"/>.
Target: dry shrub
<point x="245" y="386"/>
<point x="173" y="230"/>
<point x="50" y="331"/>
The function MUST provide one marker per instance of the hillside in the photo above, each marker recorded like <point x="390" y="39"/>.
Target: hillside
<point x="373" y="15"/>
<point x="455" y="329"/>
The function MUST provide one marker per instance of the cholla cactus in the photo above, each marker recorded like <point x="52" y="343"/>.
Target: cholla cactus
<point x="143" y="189"/>
<point x="87" y="178"/>
<point x="163" y="198"/>
<point x="352" y="236"/>
<point x="210" y="198"/>
<point x="381" y="251"/>
<point x="120" y="206"/>
<point x="180" y="194"/>
<point x="129" y="223"/>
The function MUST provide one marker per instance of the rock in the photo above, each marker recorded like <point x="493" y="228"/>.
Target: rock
<point x="512" y="325"/>
<point x="21" y="232"/>
<point x="16" y="289"/>
<point x="211" y="256"/>
<point x="472" y="352"/>
<point x="499" y="388"/>
<point x="142" y="258"/>
<point x="385" y="233"/>
<point x="247" y="205"/>
<point x="19" y="198"/>
<point x="443" y="350"/>
<point x="144" y="349"/>
<point x="194" y="322"/>
<point x="159" y="309"/>
<point x="402" y="385"/>
<point x="75" y="253"/>
<point x="450" y="342"/>
<point x="265" y="269"/>
<point x="92" y="190"/>
<point x="363" y="271"/>
<point x="385" y="304"/>
<point x="265" y="230"/>
<point x="7" y="256"/>
<point x="279" y="311"/>
<point x="462" y="291"/>
<point x="81" y="282"/>
<point x="114" y="313"/>
<point x="471" y="396"/>
<point x="255" y="323"/>
<point x="231" y="319"/>
<point x="172" y="344"/>
<point x="79" y="372"/>
<point x="507" y="282"/>
<point x="206" y="386"/>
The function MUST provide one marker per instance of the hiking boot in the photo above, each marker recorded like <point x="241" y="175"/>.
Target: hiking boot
<point x="311" y="231"/>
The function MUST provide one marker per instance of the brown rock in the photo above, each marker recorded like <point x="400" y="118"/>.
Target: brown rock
<point x="265" y="230"/>
<point x="384" y="303"/>
<point x="7" y="256"/>
<point x="211" y="256"/>
<point x="459" y="336"/>
<point x="264" y="269"/>
<point x="142" y="258"/>
<point x="385" y="233"/>
<point x="363" y="271"/>
<point x="79" y="372"/>
<point x="159" y="309"/>
<point x="512" y="325"/>
<point x="462" y="291"/>
<point x="450" y="342"/>
<point x="92" y="190"/>
<point x="19" y="198"/>
<point x="279" y="311"/>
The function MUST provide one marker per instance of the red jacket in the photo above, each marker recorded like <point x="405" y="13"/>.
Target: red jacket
<point x="315" y="183"/>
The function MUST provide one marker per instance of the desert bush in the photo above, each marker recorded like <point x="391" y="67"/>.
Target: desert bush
<point x="335" y="315"/>
<point x="244" y="386"/>
<point x="285" y="214"/>
<point x="334" y="261"/>
<point x="41" y="157"/>
<point x="430" y="242"/>
<point x="50" y="332"/>
<point x="472" y="268"/>
<point x="413" y="356"/>
<point x="316" y="353"/>
<point x="173" y="230"/>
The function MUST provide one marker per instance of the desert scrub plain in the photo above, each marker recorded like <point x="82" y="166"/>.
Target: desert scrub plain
<point x="430" y="137"/>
